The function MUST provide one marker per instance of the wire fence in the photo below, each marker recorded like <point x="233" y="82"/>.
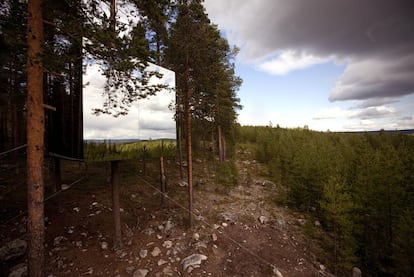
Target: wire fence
<point x="13" y="181"/>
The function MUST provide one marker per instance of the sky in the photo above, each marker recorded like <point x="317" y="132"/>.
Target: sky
<point x="338" y="65"/>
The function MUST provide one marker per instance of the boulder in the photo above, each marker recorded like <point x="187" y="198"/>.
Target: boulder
<point x="14" y="248"/>
<point x="229" y="217"/>
<point x="193" y="261"/>
<point x="356" y="272"/>
<point x="140" y="273"/>
<point x="19" y="270"/>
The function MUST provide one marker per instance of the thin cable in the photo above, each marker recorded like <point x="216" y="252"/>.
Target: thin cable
<point x="13" y="149"/>
<point x="208" y="224"/>
<point x="46" y="199"/>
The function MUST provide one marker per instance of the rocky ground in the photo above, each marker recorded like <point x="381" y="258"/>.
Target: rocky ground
<point x="236" y="232"/>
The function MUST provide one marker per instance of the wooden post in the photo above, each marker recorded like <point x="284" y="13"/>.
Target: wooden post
<point x="115" y="204"/>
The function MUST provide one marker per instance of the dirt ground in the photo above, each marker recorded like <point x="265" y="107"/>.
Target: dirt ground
<point x="240" y="231"/>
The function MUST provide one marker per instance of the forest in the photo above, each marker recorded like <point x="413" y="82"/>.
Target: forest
<point x="358" y="185"/>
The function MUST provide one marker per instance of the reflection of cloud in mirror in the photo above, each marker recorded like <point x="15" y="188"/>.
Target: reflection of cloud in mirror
<point x="147" y="118"/>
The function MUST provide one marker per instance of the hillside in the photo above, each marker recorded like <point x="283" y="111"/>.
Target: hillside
<point x="239" y="230"/>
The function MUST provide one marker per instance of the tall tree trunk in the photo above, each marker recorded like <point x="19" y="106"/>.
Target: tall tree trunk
<point x="35" y="140"/>
<point x="220" y="143"/>
<point x="178" y="126"/>
<point x="189" y="143"/>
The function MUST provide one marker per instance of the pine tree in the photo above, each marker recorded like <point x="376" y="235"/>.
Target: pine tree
<point x="35" y="140"/>
<point x="337" y="206"/>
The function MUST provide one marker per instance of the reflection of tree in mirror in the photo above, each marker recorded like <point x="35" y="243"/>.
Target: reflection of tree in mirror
<point x="111" y="150"/>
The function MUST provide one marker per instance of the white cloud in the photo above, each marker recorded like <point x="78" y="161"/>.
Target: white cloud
<point x="362" y="113"/>
<point x="147" y="118"/>
<point x="288" y="61"/>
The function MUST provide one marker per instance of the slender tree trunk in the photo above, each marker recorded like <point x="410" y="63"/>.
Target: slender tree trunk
<point x="220" y="143"/>
<point x="35" y="140"/>
<point x="178" y="126"/>
<point x="189" y="144"/>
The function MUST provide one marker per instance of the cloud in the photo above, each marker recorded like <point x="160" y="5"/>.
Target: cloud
<point x="288" y="61"/>
<point x="375" y="78"/>
<point x="375" y="102"/>
<point x="374" y="112"/>
<point x="373" y="37"/>
<point x="362" y="114"/>
<point x="147" y="118"/>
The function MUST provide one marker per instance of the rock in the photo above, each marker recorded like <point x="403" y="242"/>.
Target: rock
<point x="229" y="217"/>
<point x="143" y="253"/>
<point x="15" y="248"/>
<point x="356" y="272"/>
<point x="193" y="261"/>
<point x="104" y="245"/>
<point x="130" y="269"/>
<point x="196" y="236"/>
<point x="276" y="272"/>
<point x="267" y="183"/>
<point x="76" y="209"/>
<point x="19" y="270"/>
<point x="89" y="271"/>
<point x="263" y="219"/>
<point x="279" y="224"/>
<point x="140" y="273"/>
<point x="167" y="244"/>
<point x="155" y="252"/>
<point x="224" y="224"/>
<point x="161" y="262"/>
<point x="149" y="231"/>
<point x="168" y="226"/>
<point x="183" y="184"/>
<point x="214" y="237"/>
<point x="302" y="221"/>
<point x="70" y="229"/>
<point x="58" y="240"/>
<point x="200" y="244"/>
<point x="121" y="254"/>
<point x="322" y="267"/>
<point x="168" y="271"/>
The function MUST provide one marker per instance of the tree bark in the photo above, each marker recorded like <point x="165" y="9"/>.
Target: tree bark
<point x="189" y="144"/>
<point x="35" y="140"/>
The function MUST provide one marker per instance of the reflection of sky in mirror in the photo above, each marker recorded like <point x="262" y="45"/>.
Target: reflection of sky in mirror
<point x="149" y="118"/>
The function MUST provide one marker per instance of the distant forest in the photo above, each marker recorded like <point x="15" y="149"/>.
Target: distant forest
<point x="359" y="186"/>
